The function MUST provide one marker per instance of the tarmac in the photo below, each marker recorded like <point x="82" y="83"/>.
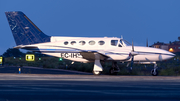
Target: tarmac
<point x="85" y="86"/>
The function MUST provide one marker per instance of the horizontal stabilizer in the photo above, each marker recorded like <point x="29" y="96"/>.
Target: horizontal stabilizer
<point x="25" y="47"/>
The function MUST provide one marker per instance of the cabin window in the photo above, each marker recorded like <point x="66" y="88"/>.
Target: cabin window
<point x="91" y="42"/>
<point x="73" y="42"/>
<point x="65" y="43"/>
<point x="114" y="42"/>
<point x="82" y="42"/>
<point x="101" y="42"/>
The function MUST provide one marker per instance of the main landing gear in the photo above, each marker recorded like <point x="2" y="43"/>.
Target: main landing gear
<point x="97" y="65"/>
<point x="98" y="68"/>
<point x="114" y="69"/>
<point x="154" y="71"/>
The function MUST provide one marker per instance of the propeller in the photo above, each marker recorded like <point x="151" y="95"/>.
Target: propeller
<point x="132" y="46"/>
<point x="132" y="55"/>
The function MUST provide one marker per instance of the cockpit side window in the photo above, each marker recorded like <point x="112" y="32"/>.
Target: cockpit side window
<point x="114" y="42"/>
<point x="119" y="45"/>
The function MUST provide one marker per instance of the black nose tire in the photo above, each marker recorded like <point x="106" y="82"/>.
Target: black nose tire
<point x="154" y="72"/>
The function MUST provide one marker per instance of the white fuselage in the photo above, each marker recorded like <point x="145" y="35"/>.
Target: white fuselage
<point x="114" y="48"/>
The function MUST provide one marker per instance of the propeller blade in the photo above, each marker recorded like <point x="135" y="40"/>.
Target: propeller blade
<point x="132" y="46"/>
<point x="132" y="55"/>
<point x="147" y="43"/>
<point x="132" y="61"/>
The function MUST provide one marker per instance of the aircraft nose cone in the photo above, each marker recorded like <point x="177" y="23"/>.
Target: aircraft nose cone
<point x="168" y="55"/>
<point x="172" y="54"/>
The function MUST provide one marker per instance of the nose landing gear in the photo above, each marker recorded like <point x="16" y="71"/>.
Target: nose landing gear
<point x="154" y="71"/>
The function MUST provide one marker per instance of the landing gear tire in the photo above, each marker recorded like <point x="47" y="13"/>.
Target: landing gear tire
<point x="96" y="72"/>
<point x="154" y="72"/>
<point x="114" y="69"/>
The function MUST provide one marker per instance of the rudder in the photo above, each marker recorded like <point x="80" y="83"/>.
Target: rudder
<point x="25" y="32"/>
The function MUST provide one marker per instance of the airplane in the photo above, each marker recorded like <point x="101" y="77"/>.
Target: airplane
<point x="82" y="49"/>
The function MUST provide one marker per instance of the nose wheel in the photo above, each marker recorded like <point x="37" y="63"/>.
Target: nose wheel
<point x="154" y="71"/>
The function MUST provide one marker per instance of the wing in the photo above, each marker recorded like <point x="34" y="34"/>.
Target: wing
<point x="90" y="55"/>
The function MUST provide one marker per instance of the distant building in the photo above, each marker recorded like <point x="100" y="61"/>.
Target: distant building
<point x="161" y="45"/>
<point x="172" y="46"/>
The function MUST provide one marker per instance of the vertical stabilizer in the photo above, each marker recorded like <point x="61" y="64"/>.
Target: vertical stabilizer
<point x="25" y="32"/>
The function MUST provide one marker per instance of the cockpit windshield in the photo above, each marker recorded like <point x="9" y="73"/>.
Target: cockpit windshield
<point x="124" y="42"/>
<point x="120" y="43"/>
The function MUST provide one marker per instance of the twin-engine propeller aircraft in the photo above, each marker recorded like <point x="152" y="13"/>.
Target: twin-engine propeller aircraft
<point x="82" y="49"/>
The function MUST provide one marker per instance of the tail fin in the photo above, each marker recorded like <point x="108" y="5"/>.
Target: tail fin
<point x="25" y="32"/>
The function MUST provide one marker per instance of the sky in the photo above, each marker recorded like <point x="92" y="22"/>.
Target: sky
<point x="137" y="20"/>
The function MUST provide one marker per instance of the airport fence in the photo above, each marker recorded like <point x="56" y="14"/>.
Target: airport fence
<point x="170" y="67"/>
